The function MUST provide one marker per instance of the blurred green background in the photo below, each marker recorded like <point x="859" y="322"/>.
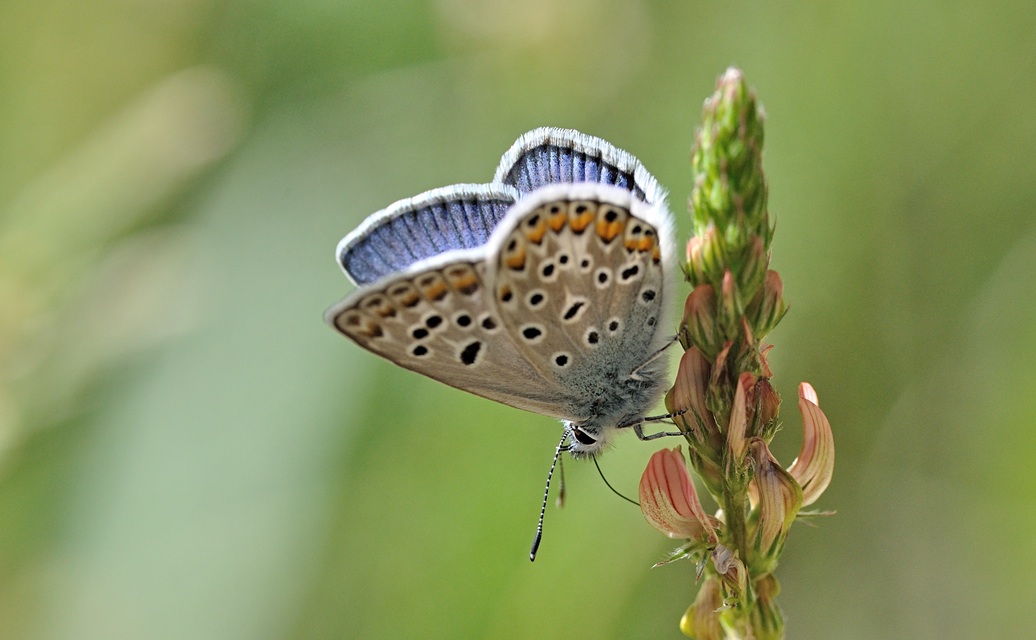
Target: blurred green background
<point x="187" y="451"/>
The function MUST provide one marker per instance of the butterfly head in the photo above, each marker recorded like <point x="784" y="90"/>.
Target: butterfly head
<point x="586" y="440"/>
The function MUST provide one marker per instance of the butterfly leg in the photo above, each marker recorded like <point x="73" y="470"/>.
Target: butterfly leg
<point x="654" y="356"/>
<point x="638" y="426"/>
<point x="639" y="430"/>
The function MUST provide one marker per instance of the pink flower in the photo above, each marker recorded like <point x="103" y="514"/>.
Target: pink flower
<point x="687" y="397"/>
<point x="778" y="501"/>
<point x="668" y="498"/>
<point x="816" y="462"/>
<point x="739" y="419"/>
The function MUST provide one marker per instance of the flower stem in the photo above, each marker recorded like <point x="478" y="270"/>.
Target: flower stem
<point x="735" y="510"/>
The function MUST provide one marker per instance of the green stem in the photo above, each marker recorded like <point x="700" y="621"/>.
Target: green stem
<point x="735" y="505"/>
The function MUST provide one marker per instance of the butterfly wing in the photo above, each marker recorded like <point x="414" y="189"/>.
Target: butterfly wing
<point x="549" y="155"/>
<point x="438" y="319"/>
<point x="425" y="304"/>
<point x="580" y="280"/>
<point x="456" y="217"/>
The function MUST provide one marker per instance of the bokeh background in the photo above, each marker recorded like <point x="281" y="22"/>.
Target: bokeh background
<point x="187" y="451"/>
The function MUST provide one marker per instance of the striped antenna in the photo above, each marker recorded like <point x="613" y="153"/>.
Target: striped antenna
<point x="546" y="490"/>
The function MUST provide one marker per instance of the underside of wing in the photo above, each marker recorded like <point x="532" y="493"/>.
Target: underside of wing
<point x="439" y="320"/>
<point x="456" y="217"/>
<point x="579" y="279"/>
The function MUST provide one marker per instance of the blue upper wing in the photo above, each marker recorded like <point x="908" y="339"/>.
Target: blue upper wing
<point x="427" y="225"/>
<point x="549" y="155"/>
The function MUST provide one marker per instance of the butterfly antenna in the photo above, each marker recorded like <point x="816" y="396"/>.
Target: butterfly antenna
<point x="614" y="490"/>
<point x="546" y="491"/>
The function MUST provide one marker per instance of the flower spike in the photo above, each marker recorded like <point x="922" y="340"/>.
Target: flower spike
<point x="722" y="399"/>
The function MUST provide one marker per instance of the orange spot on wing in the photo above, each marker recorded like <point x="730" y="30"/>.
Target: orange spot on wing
<point x="608" y="231"/>
<point x="410" y="298"/>
<point x="463" y="279"/>
<point x="535" y="235"/>
<point x="355" y="324"/>
<point x="581" y="217"/>
<point x="557" y="220"/>
<point x="435" y="291"/>
<point x="516" y="259"/>
<point x="380" y="306"/>
<point x="405" y="295"/>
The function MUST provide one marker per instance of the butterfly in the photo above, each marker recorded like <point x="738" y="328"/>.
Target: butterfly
<point x="544" y="289"/>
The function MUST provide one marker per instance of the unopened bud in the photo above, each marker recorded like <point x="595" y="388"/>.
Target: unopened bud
<point x="695" y="261"/>
<point x="699" y="319"/>
<point x="766" y="618"/>
<point x="701" y="620"/>
<point x="719" y="403"/>
<point x="767" y="307"/>
<point x="730" y="189"/>
<point x="706" y="256"/>
<point x="739" y="419"/>
<point x="768" y="405"/>
<point x="729" y="305"/>
<point x="752" y="272"/>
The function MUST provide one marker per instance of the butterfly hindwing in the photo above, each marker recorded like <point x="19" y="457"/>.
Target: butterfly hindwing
<point x="578" y="279"/>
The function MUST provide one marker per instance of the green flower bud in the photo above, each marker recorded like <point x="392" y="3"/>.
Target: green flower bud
<point x="751" y="273"/>
<point x="702" y="619"/>
<point x="730" y="188"/>
<point x="729" y="306"/>
<point x="766" y="618"/>
<point x="767" y="308"/>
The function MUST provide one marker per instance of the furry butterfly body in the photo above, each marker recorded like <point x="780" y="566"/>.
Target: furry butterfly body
<point x="545" y="289"/>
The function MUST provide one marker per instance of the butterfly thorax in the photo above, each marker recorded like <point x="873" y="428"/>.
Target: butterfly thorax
<point x="619" y="405"/>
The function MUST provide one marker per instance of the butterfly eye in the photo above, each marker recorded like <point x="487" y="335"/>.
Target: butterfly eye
<point x="583" y="437"/>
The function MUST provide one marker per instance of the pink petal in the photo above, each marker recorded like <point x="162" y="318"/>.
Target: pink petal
<point x="668" y="498"/>
<point x="814" y="467"/>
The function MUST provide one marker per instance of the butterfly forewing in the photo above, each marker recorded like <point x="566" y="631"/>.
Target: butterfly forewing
<point x="440" y="321"/>
<point x="578" y="279"/>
